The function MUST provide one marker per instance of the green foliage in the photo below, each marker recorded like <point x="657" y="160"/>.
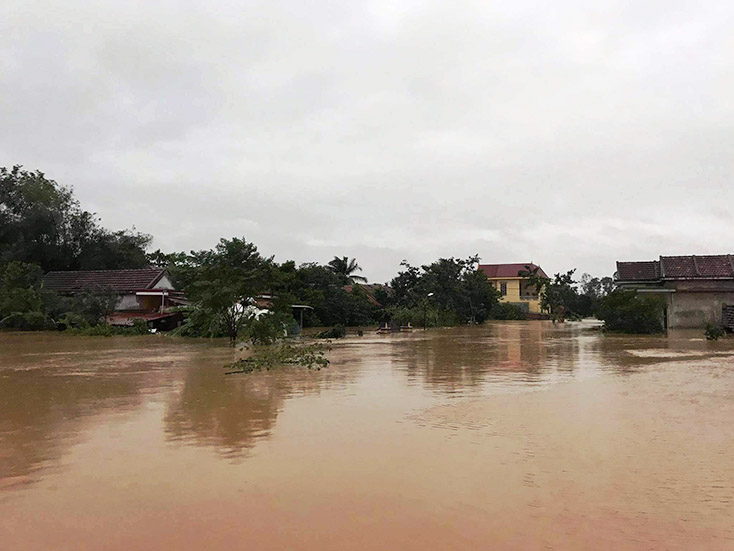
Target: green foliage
<point x="336" y="332"/>
<point x="714" y="331"/>
<point x="224" y="281"/>
<point x="139" y="327"/>
<point x="453" y="290"/>
<point x="419" y="316"/>
<point x="72" y="320"/>
<point x="631" y="312"/>
<point x="591" y="291"/>
<point x="558" y="296"/>
<point x="21" y="300"/>
<point x="31" y="321"/>
<point x="269" y="328"/>
<point x="181" y="266"/>
<point x="506" y="311"/>
<point x="345" y="267"/>
<point x="41" y="222"/>
<point x="323" y="289"/>
<point x="310" y="356"/>
<point x="95" y="305"/>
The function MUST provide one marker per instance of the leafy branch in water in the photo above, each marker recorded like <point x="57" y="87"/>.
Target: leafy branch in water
<point x="310" y="356"/>
<point x="336" y="332"/>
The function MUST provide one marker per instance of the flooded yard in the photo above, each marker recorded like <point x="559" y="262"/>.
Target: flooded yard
<point x="514" y="435"/>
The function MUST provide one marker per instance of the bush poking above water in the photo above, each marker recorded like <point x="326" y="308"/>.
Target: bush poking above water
<point x="336" y="332"/>
<point x="139" y="327"/>
<point x="630" y="312"/>
<point x="310" y="356"/>
<point x="714" y="331"/>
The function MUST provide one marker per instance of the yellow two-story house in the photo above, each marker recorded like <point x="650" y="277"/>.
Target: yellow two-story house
<point x="514" y="288"/>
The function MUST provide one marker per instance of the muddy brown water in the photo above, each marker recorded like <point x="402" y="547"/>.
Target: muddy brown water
<point x="517" y="435"/>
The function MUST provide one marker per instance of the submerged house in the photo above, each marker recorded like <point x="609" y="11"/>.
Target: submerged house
<point x="145" y="293"/>
<point x="697" y="289"/>
<point x="513" y="287"/>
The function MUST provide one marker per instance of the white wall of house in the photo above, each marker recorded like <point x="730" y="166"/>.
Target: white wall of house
<point x="128" y="302"/>
<point x="164" y="283"/>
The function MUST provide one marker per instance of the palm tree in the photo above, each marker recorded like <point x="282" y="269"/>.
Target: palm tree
<point x="346" y="267"/>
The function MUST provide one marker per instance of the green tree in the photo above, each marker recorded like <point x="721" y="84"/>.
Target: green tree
<point x="21" y="303"/>
<point x="558" y="295"/>
<point x="41" y="222"/>
<point x="95" y="305"/>
<point x="631" y="312"/>
<point x="224" y="283"/>
<point x="592" y="290"/>
<point x="454" y="287"/>
<point x="345" y="267"/>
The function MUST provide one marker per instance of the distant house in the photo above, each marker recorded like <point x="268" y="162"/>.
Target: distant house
<point x="145" y="293"/>
<point x="513" y="287"/>
<point x="697" y="289"/>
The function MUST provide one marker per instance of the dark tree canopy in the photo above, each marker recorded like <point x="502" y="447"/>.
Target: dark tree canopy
<point x="223" y="281"/>
<point x="41" y="222"/>
<point x="453" y="288"/>
<point x="345" y="267"/>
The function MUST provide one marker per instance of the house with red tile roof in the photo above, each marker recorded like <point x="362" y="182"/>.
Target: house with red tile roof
<point x="145" y="293"/>
<point x="514" y="287"/>
<point x="696" y="288"/>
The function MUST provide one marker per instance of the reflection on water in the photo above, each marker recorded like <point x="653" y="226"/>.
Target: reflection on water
<point x="232" y="412"/>
<point x="227" y="414"/>
<point x="41" y="411"/>
<point x="423" y="440"/>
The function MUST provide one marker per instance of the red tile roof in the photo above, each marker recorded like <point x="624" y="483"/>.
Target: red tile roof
<point x="719" y="266"/>
<point x="638" y="271"/>
<point x="704" y="267"/>
<point x="509" y="270"/>
<point x="115" y="280"/>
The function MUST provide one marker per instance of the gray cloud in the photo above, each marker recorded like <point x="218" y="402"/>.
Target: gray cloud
<point x="569" y="133"/>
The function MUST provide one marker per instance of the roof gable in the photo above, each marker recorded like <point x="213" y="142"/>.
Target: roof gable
<point x="509" y="270"/>
<point x="120" y="281"/>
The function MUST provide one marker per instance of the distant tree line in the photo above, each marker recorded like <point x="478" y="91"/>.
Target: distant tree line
<point x="43" y="228"/>
<point x="42" y="223"/>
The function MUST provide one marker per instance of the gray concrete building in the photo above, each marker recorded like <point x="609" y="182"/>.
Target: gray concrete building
<point x="697" y="289"/>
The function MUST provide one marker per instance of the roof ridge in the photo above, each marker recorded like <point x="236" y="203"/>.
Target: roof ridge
<point x="149" y="268"/>
<point x="510" y="264"/>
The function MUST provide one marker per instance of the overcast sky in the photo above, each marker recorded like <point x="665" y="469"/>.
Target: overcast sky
<point x="572" y="134"/>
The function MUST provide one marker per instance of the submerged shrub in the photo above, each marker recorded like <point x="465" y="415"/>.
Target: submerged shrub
<point x="310" y="356"/>
<point x="139" y="327"/>
<point x="506" y="311"/>
<point x="714" y="331"/>
<point x="432" y="316"/>
<point x="32" y="321"/>
<point x="631" y="312"/>
<point x="336" y="332"/>
<point x="270" y="327"/>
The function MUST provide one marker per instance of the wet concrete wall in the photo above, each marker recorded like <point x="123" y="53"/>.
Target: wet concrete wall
<point x="696" y="309"/>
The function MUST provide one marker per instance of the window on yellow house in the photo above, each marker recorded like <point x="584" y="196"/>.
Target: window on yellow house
<point x="503" y="288"/>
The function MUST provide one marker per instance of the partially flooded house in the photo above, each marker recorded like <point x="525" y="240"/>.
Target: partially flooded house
<point x="697" y="289"/>
<point x="514" y="287"/>
<point x="145" y="293"/>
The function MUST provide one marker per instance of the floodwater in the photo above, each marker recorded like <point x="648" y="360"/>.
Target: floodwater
<point x="516" y="435"/>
